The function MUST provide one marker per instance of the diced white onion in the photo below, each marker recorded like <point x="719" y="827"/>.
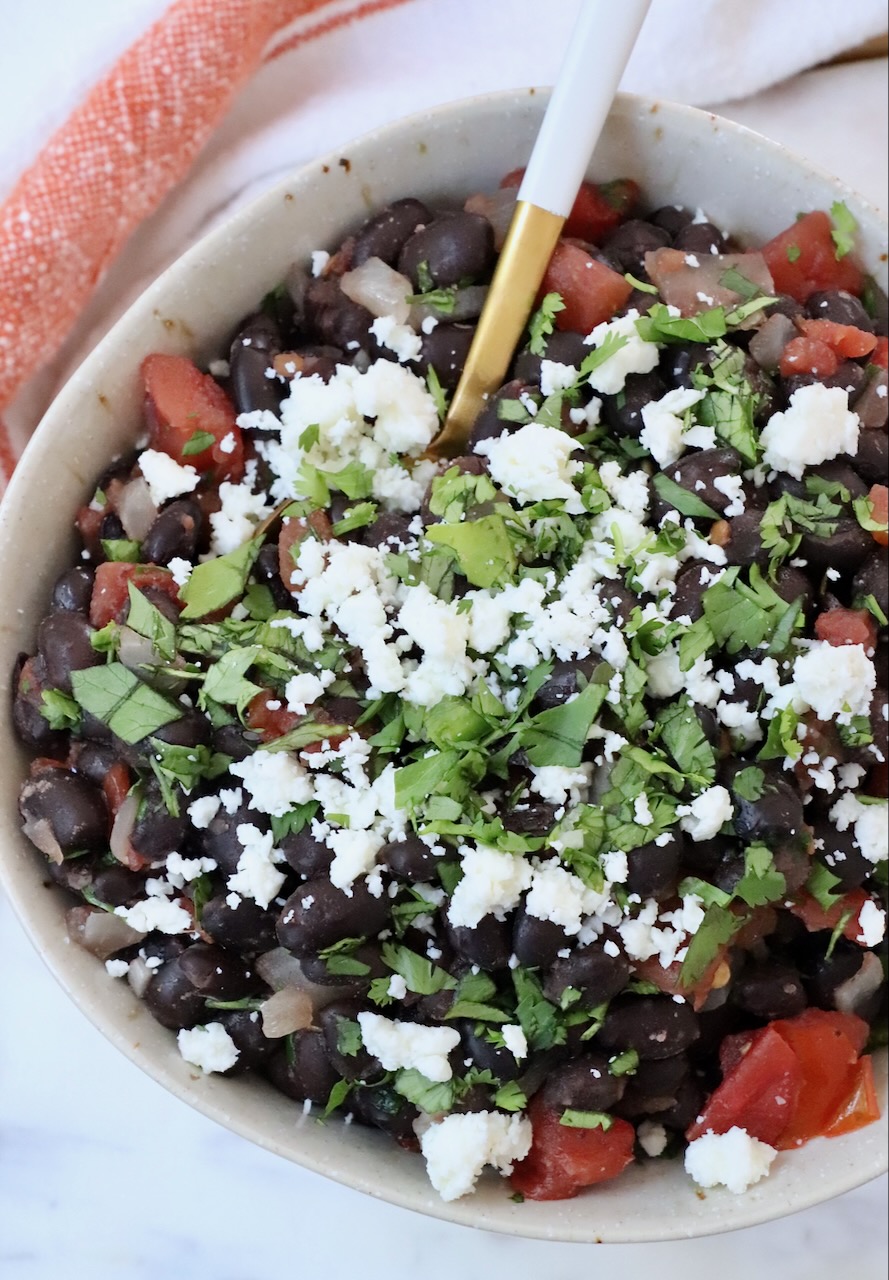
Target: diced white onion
<point x="287" y="1010"/>
<point x="122" y="828"/>
<point x="379" y="288"/>
<point x="100" y="932"/>
<point x="135" y="508"/>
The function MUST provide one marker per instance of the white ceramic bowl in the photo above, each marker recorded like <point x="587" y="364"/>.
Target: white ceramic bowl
<point x="678" y="154"/>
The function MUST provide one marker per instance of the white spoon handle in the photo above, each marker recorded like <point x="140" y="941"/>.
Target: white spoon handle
<point x="600" y="46"/>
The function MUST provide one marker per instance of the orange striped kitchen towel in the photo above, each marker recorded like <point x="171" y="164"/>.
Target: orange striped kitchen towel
<point x="109" y="166"/>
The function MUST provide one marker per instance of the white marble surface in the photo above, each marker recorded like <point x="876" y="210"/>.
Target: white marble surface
<point x="104" y="1176"/>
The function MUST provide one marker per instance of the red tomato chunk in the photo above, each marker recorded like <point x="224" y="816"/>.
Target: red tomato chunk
<point x="562" y="1160"/>
<point x="111" y="588"/>
<point x="803" y="260"/>
<point x="182" y="406"/>
<point x="592" y="292"/>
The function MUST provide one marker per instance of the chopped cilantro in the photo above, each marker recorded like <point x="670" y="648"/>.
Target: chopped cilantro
<point x="121" y="550"/>
<point x="59" y="710"/>
<point x="586" y="1120"/>
<point x="542" y="323"/>
<point x="794" y="253"/>
<point x="686" y="503"/>
<point x="482" y="549"/>
<point x="197" y="442"/>
<point x="749" y="783"/>
<point x="845" y="228"/>
<point x="121" y="701"/>
<point x="356" y="518"/>
<point x="215" y="583"/>
<point x="421" y="975"/>
<point x="660" y="325"/>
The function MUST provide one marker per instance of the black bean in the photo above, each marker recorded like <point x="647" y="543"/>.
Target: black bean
<point x="218" y="973"/>
<point x="411" y="859"/>
<point x="792" y="584"/>
<point x="488" y="944"/>
<point x="701" y="857"/>
<point x="687" y="1107"/>
<point x="696" y="472"/>
<point x="701" y="237"/>
<point x="118" y="886"/>
<point x="619" y="601"/>
<point x="63" y="641"/>
<point x="840" y="307"/>
<point x="672" y="217"/>
<point x="489" y="425"/>
<point x="784" y="305"/>
<point x="63" y="809"/>
<point x="654" y="1085"/>
<point x="872" y="458"/>
<point x="302" y="1069"/>
<point x="173" y="999"/>
<point x="844" y="549"/>
<point x="30" y="724"/>
<point x="627" y="246"/>
<point x="111" y="529"/>
<point x="334" y="319"/>
<point x="849" y="377"/>
<point x="327" y="974"/>
<point x="831" y="972"/>
<point x="585" y="1084"/>
<point x="192" y="729"/>
<point x="446" y="349"/>
<point x="654" y="868"/>
<point x="219" y="839"/>
<point x="245" y="1028"/>
<point x="562" y="345"/>
<point x="339" y="1025"/>
<point x="174" y="533"/>
<point x="564" y="682"/>
<point x="691" y="583"/>
<point x="679" y="363"/>
<point x="623" y="412"/>
<point x="75" y="874"/>
<point x="839" y="852"/>
<point x="536" y="943"/>
<point x="308" y="856"/>
<point x="454" y="247"/>
<point x="769" y="990"/>
<point x="156" y="832"/>
<point x="837" y="471"/>
<point x="383" y="1108"/>
<point x="254" y="348"/>
<point x="794" y="864"/>
<point x="317" y="915"/>
<point x="74" y="589"/>
<point x="486" y="1056"/>
<point x="530" y="819"/>
<point x="655" y="1026"/>
<point x="245" y="927"/>
<point x="744" y="544"/>
<point x="383" y="236"/>
<point x="775" y="816"/>
<point x="597" y="975"/>
<point x="390" y="531"/>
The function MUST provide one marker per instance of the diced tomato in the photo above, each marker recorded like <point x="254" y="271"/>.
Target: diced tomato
<point x="669" y="979"/>
<point x="828" y="1061"/>
<point x="180" y="402"/>
<point x="115" y="785"/>
<point x="293" y="531"/>
<point x="855" y="1029"/>
<point x="815" y="918"/>
<point x="844" y="339"/>
<point x="562" y="1161"/>
<point x="268" y="714"/>
<point x="879" y="510"/>
<point x="759" y="1092"/>
<point x="598" y="209"/>
<point x="592" y="292"/>
<point x="880" y="353"/>
<point x="88" y="522"/>
<point x="860" y="1106"/>
<point x="847" y="626"/>
<point x="110" y="589"/>
<point x="808" y="355"/>
<point x="803" y="260"/>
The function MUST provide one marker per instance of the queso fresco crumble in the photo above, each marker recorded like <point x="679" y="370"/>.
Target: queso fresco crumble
<point x="530" y="807"/>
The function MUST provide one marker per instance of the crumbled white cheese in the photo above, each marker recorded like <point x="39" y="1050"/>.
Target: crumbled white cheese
<point x="556" y="377"/>
<point x="236" y="520"/>
<point x="872" y="923"/>
<point x="457" y="1149"/>
<point x="274" y="780"/>
<point x="302" y="690"/>
<point x="181" y="570"/>
<point x="558" y="785"/>
<point x="704" y="817"/>
<point x="256" y="875"/>
<point x="515" y="1040"/>
<point x="628" y="491"/>
<point x="733" y="1159"/>
<point x="355" y="853"/>
<point x="209" y="1047"/>
<point x="165" y="477"/>
<point x="534" y="464"/>
<point x="203" y="810"/>
<point x="818" y="425"/>
<point x="399" y="338"/>
<point x="558" y="895"/>
<point x="652" y="1138"/>
<point x="117" y="968"/>
<point x="732" y="487"/>
<point x="492" y="883"/>
<point x="664" y="432"/>
<point x="156" y="913"/>
<point x="320" y="259"/>
<point x="836" y="681"/>
<point x="636" y="356"/>
<point x="397" y="1045"/>
<point x="869" y="821"/>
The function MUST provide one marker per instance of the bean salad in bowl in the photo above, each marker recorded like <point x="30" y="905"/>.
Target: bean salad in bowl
<point x="528" y="806"/>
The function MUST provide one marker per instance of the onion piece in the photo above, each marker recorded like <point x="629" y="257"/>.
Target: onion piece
<point x="697" y="282"/>
<point x="498" y="207"/>
<point x="768" y="343"/>
<point x="289" y="1009"/>
<point x="850" y="995"/>
<point x="139" y="976"/>
<point x="122" y="828"/>
<point x="281" y="969"/>
<point x="136" y="651"/>
<point x="100" y="932"/>
<point x="40" y="833"/>
<point x="872" y="404"/>
<point x="135" y="508"/>
<point x="380" y="288"/>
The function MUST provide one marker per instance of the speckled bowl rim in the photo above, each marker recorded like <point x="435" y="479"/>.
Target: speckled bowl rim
<point x="664" y="145"/>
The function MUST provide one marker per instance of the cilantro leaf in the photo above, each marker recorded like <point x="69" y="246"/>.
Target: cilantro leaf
<point x="822" y="885"/>
<point x="749" y="783"/>
<point x="215" y="583"/>
<point x="197" y="442"/>
<point x="558" y="735"/>
<point x="586" y="1120"/>
<point x="844" y="229"/>
<point x="356" y="518"/>
<point x="147" y="620"/>
<point x="120" y="700"/>
<point x="542" y="323"/>
<point x="686" y="503"/>
<point x="661" y="326"/>
<point x="482" y="548"/>
<point x="682" y="735"/>
<point x="424" y="1093"/>
<point x="59" y="709"/>
<point x="761" y="882"/>
<point x="121" y="550"/>
<point x="420" y="975"/>
<point x="537" y="1017"/>
<point x="718" y="927"/>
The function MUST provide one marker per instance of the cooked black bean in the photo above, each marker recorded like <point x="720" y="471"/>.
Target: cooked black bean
<point x="63" y="641"/>
<point x="776" y="815"/>
<point x="486" y="1056"/>
<point x="453" y="246"/>
<point x="793" y="862"/>
<point x="245" y="1028"/>
<point x="872" y="579"/>
<point x="687" y="1107"/>
<point x="235" y="741"/>
<point x="219" y="839"/>
<point x="383" y="1108"/>
<point x="318" y="914"/>
<point x="832" y="972"/>
<point x="74" y="874"/>
<point x="218" y="974"/>
<point x="536" y="943"/>
<point x="769" y="990"/>
<point x="627" y="246"/>
<point x="174" y="533"/>
<point x="341" y="1031"/>
<point x="530" y="819"/>
<point x="623" y="412"/>
<point x="697" y="472"/>
<point x="701" y="857"/>
<point x="367" y="958"/>
<point x="32" y="727"/>
<point x="308" y="856"/>
<point x="791" y="584"/>
<point x="654" y="1085"/>
<point x="411" y="859"/>
<point x="672" y="217"/>
<point x="743" y="544"/>
<point x="383" y="236"/>
<point x="156" y="832"/>
<point x="302" y="1069"/>
<point x="837" y="472"/>
<point x="161" y="601"/>
<point x="488" y="944"/>
<point x="585" y="1084"/>
<point x="872" y="458"/>
<point x="64" y="812"/>
<point x="267" y="571"/>
<point x="489" y="425"/>
<point x="567" y="679"/>
<point x="446" y="349"/>
<point x="562" y="345"/>
<point x="172" y="997"/>
<point x="654" y="868"/>
<point x="840" y="307"/>
<point x="839" y="852"/>
<point x="74" y="589"/>
<point x="245" y="927"/>
<point x="619" y="601"/>
<point x="655" y="1026"/>
<point x="691" y="583"/>
<point x="849" y="376"/>
<point x="390" y="531"/>
<point x="111" y="529"/>
<point x="95" y="759"/>
<point x="254" y="348"/>
<point x="844" y="549"/>
<point x="192" y="729"/>
<point x="701" y="237"/>
<point x="784" y="305"/>
<point x="597" y="975"/>
<point x="678" y="363"/>
<point x="118" y="886"/>
<point x="334" y="318"/>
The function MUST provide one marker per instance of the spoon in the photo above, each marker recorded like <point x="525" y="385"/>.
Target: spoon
<point x="599" y="49"/>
